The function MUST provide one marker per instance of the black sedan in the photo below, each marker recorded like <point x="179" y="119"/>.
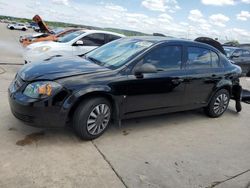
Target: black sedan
<point x="126" y="78"/>
<point x="240" y="57"/>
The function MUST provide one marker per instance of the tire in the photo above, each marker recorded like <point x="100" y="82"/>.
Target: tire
<point x="88" y="123"/>
<point x="23" y="29"/>
<point x="11" y="28"/>
<point x="218" y="104"/>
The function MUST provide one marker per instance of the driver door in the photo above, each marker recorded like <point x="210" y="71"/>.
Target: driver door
<point x="163" y="90"/>
<point x="89" y="42"/>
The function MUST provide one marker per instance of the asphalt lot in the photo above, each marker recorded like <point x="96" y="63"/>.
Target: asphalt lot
<point x="179" y="150"/>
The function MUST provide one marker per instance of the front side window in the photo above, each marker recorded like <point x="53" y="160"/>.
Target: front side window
<point x="201" y="58"/>
<point x="164" y="58"/>
<point x="96" y="39"/>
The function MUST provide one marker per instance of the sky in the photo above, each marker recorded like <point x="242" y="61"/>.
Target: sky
<point x="222" y="19"/>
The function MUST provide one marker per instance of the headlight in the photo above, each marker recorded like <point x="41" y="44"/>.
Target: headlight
<point x="40" y="90"/>
<point x="42" y="48"/>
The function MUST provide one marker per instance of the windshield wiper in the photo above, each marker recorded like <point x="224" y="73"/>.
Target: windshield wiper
<point x="95" y="60"/>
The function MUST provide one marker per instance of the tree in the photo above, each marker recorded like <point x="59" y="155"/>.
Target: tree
<point x="232" y="43"/>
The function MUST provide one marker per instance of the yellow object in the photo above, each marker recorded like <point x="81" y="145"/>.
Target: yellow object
<point x="45" y="90"/>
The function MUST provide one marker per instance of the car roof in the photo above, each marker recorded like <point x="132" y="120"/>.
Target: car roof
<point x="232" y="47"/>
<point x="160" y="39"/>
<point x="102" y="31"/>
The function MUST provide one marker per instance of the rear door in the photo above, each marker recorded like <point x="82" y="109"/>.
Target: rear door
<point x="90" y="42"/>
<point x="203" y="71"/>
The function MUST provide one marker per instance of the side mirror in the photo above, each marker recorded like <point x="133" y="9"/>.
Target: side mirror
<point x="145" y="68"/>
<point x="234" y="56"/>
<point x="78" y="43"/>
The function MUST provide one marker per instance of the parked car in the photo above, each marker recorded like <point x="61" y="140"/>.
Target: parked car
<point x="240" y="57"/>
<point x="75" y="43"/>
<point x="27" y="40"/>
<point x="17" y="26"/>
<point x="126" y="78"/>
<point x="36" y="29"/>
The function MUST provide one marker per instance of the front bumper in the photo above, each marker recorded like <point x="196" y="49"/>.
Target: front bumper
<point x="36" y="113"/>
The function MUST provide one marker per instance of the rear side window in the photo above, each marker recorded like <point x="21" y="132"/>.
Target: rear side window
<point x="96" y="39"/>
<point x="201" y="58"/>
<point x="215" y="59"/>
<point x="111" y="37"/>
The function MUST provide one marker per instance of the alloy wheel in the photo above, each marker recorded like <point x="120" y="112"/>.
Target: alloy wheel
<point x="220" y="104"/>
<point x="98" y="119"/>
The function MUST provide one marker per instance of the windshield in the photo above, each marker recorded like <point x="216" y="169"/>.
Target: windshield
<point x="229" y="51"/>
<point x="70" y="36"/>
<point x="57" y="31"/>
<point x="115" y="54"/>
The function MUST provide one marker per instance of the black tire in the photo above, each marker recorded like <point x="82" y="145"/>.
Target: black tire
<point x="83" y="120"/>
<point x="23" y="29"/>
<point x="218" y="104"/>
<point x="11" y="28"/>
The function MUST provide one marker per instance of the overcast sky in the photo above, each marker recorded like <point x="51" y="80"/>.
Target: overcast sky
<point x="224" y="19"/>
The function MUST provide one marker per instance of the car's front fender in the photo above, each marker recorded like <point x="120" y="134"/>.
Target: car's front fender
<point x="74" y="100"/>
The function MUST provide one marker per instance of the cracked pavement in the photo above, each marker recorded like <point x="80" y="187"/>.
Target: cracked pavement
<point x="181" y="150"/>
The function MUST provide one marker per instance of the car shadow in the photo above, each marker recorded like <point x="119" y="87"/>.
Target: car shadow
<point x="29" y="135"/>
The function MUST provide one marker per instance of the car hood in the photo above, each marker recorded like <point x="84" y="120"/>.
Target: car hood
<point x="59" y="67"/>
<point x="44" y="43"/>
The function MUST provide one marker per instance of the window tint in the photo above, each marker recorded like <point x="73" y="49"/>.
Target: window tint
<point x="112" y="37"/>
<point x="215" y="59"/>
<point x="165" y="58"/>
<point x="96" y="39"/>
<point x="200" y="58"/>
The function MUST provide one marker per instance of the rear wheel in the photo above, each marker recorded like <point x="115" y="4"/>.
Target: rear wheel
<point x="23" y="29"/>
<point x="92" y="118"/>
<point x="218" y="104"/>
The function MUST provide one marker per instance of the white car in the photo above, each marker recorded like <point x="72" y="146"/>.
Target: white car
<point x="18" y="26"/>
<point x="73" y="44"/>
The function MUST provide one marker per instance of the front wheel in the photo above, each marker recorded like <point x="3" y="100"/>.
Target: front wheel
<point x="218" y="104"/>
<point x="23" y="29"/>
<point x="92" y="118"/>
<point x="11" y="28"/>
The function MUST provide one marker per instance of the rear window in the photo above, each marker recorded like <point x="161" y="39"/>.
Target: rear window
<point x="201" y="58"/>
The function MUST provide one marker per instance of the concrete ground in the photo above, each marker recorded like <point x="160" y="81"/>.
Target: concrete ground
<point x="181" y="150"/>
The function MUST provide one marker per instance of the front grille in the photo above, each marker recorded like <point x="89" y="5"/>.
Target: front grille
<point x="25" y="118"/>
